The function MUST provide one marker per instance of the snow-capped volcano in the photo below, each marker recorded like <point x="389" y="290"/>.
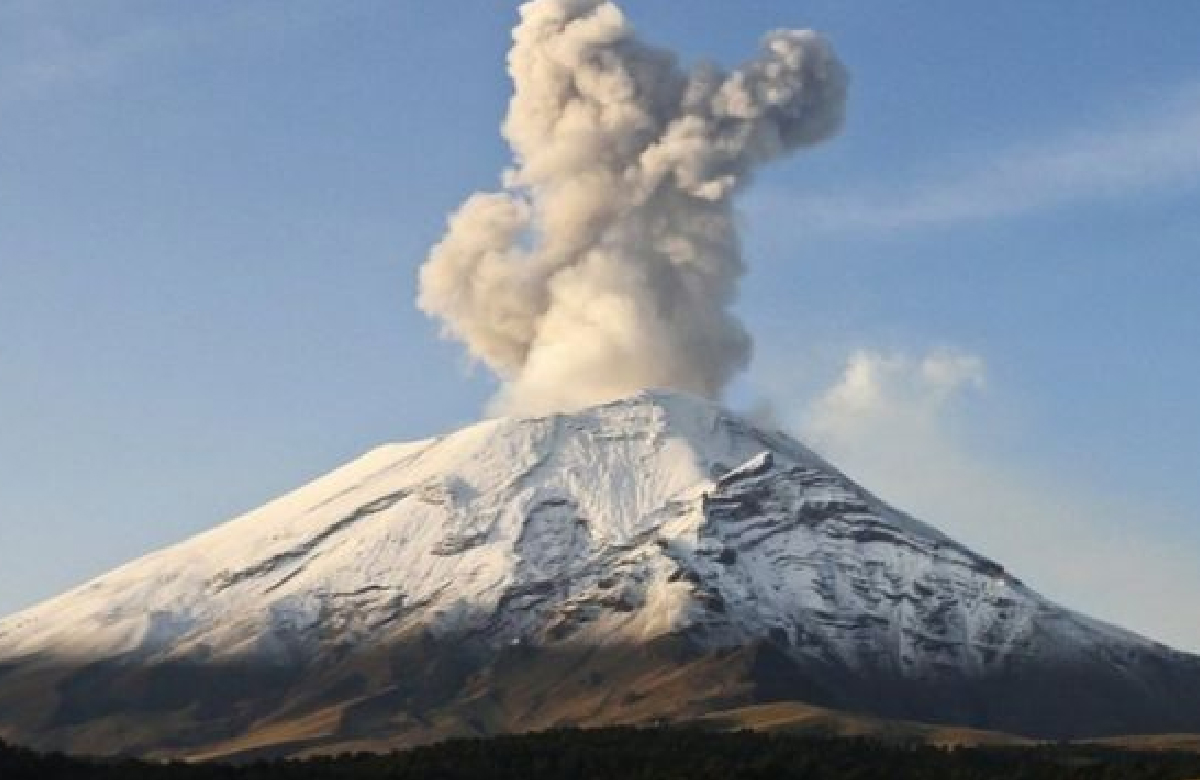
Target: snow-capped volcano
<point x="656" y="521"/>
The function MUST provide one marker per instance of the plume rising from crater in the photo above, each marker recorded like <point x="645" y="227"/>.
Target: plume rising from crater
<point x="609" y="260"/>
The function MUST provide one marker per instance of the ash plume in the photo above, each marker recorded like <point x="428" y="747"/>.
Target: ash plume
<point x="609" y="260"/>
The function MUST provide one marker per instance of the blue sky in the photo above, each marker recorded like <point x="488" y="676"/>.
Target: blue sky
<point x="982" y="298"/>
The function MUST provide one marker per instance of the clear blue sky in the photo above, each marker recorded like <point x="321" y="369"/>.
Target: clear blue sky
<point x="211" y="216"/>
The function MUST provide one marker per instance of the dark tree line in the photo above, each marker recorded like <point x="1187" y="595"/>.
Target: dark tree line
<point x="646" y="754"/>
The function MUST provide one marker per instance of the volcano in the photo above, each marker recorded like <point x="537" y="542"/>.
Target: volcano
<point x="653" y="559"/>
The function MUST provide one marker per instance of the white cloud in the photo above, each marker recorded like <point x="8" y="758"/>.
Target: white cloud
<point x="891" y="395"/>
<point x="1156" y="150"/>
<point x="915" y="430"/>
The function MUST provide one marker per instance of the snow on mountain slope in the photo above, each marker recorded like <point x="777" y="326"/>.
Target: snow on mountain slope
<point x="653" y="516"/>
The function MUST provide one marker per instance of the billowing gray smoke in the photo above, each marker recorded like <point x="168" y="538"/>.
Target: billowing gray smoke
<point x="610" y="260"/>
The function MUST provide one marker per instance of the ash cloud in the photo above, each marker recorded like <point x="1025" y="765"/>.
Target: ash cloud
<point x="609" y="259"/>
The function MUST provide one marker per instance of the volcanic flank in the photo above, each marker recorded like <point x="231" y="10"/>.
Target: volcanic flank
<point x="654" y="557"/>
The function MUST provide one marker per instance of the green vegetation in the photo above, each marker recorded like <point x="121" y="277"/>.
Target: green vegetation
<point x="643" y="754"/>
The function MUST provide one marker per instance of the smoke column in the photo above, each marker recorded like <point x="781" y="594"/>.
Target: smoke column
<point x="609" y="260"/>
